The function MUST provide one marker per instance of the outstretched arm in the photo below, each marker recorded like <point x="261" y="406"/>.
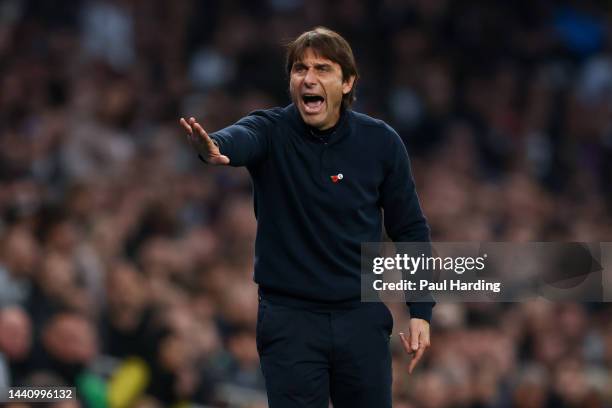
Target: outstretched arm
<point x="244" y="143"/>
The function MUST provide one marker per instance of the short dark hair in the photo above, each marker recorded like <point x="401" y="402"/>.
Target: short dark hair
<point x="327" y="44"/>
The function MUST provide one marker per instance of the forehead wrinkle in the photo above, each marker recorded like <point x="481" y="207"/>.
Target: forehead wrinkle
<point x="315" y="55"/>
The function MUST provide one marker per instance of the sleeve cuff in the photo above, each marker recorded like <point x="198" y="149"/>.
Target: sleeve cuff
<point x="421" y="310"/>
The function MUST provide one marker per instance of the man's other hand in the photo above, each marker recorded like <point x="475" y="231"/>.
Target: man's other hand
<point x="202" y="143"/>
<point x="417" y="341"/>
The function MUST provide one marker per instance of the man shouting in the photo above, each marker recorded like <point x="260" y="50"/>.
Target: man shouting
<point x="322" y="176"/>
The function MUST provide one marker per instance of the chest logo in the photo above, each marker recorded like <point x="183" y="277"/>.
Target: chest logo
<point x="337" y="177"/>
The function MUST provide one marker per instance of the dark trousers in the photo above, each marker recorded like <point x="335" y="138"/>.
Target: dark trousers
<point x="308" y="356"/>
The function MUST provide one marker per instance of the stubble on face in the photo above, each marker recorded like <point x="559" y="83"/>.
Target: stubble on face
<point x="317" y="88"/>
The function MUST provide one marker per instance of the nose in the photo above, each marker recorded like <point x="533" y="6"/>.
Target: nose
<point x="310" y="78"/>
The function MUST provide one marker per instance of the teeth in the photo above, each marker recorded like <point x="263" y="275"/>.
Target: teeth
<point x="313" y="106"/>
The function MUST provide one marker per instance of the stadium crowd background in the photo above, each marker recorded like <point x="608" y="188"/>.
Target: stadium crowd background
<point x="125" y="262"/>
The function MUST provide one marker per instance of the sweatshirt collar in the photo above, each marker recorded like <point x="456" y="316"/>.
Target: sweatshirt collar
<point x="337" y="133"/>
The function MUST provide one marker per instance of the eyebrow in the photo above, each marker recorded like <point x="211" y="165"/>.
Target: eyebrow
<point x="299" y="64"/>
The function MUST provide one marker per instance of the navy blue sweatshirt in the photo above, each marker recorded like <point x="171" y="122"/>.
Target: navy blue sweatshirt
<point x="318" y="197"/>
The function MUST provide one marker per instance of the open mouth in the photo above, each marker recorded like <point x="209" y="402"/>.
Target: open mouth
<point x="313" y="103"/>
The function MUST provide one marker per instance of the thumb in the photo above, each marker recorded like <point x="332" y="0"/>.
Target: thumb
<point x="224" y="159"/>
<point x="218" y="159"/>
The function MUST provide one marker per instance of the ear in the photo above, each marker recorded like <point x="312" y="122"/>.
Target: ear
<point x="348" y="85"/>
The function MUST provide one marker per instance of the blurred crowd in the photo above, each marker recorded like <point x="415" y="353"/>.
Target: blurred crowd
<point x="126" y="263"/>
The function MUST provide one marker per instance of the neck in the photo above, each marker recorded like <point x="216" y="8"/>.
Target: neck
<point x="322" y="131"/>
<point x="333" y="124"/>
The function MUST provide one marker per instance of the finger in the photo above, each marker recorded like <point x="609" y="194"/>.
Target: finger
<point x="201" y="131"/>
<point x="209" y="142"/>
<point x="186" y="126"/>
<point x="414" y="339"/>
<point x="405" y="343"/>
<point x="217" y="159"/>
<point x="192" y="120"/>
<point x="415" y="360"/>
<point x="221" y="159"/>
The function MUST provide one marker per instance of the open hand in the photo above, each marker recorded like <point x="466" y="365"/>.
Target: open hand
<point x="203" y="144"/>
